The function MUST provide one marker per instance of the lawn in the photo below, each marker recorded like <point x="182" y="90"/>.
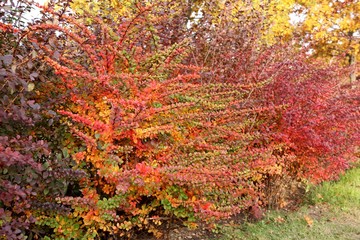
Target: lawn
<point x="331" y="211"/>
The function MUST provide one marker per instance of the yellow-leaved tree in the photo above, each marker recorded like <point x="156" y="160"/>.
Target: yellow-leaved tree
<point x="273" y="16"/>
<point x="332" y="28"/>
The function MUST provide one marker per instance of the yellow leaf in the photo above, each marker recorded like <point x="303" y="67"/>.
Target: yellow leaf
<point x="309" y="220"/>
<point x="30" y="87"/>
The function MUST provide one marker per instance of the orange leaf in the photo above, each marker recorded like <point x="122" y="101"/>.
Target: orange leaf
<point x="308" y="220"/>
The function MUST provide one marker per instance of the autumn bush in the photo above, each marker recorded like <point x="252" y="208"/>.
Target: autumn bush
<point x="110" y="127"/>
<point x="154" y="145"/>
<point x="33" y="168"/>
<point x="315" y="134"/>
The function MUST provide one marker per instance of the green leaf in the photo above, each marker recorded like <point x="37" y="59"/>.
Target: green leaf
<point x="65" y="152"/>
<point x="46" y="191"/>
<point x="46" y="165"/>
<point x="157" y="105"/>
<point x="97" y="135"/>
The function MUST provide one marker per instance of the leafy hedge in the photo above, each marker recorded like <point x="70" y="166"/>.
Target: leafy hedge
<point x="107" y="129"/>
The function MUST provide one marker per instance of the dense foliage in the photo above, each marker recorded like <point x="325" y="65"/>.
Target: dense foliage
<point x="113" y="126"/>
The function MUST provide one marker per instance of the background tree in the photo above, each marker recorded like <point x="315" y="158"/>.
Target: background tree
<point x="332" y="28"/>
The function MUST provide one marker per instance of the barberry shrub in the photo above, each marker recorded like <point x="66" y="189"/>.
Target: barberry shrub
<point x="121" y="129"/>
<point x="33" y="170"/>
<point x="315" y="135"/>
<point x="155" y="142"/>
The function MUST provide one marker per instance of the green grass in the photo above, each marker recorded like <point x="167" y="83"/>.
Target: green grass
<point x="333" y="212"/>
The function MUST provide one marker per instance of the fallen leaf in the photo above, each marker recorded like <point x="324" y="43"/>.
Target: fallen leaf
<point x="279" y="219"/>
<point x="319" y="196"/>
<point x="308" y="220"/>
